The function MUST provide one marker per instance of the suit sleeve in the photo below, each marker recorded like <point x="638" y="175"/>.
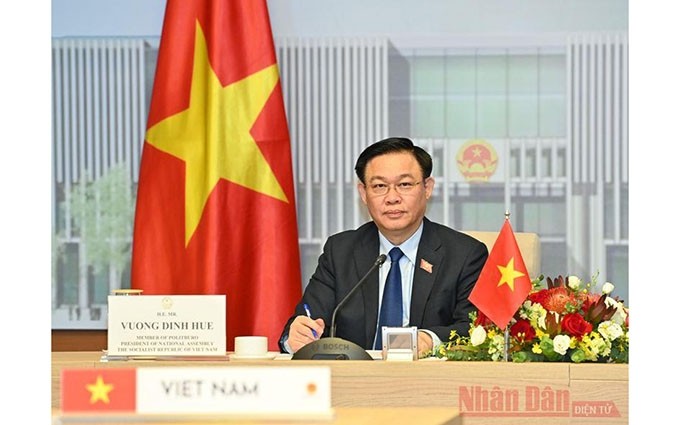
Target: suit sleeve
<point x="461" y="305"/>
<point x="469" y="276"/>
<point x="319" y="294"/>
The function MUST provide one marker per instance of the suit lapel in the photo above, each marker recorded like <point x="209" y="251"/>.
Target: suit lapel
<point x="423" y="280"/>
<point x="364" y="257"/>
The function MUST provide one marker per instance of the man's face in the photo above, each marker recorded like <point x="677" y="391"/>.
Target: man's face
<point x="396" y="214"/>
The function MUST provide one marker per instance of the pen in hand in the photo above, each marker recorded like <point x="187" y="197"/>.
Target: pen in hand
<point x="309" y="314"/>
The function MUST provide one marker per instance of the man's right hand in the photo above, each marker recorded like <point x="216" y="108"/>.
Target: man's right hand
<point x="300" y="332"/>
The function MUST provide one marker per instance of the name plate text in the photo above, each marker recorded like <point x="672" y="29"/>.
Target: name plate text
<point x="167" y="325"/>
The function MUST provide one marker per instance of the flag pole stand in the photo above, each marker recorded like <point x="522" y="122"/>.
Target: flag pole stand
<point x="507" y="343"/>
<point x="507" y="331"/>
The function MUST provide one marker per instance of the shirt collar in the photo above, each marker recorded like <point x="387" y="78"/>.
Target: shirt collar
<point x="409" y="247"/>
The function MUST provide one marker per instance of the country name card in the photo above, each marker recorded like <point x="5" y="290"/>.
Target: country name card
<point x="172" y="325"/>
<point x="193" y="392"/>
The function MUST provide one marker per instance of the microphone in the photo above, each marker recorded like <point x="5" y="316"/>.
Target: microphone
<point x="378" y="262"/>
<point x="333" y="348"/>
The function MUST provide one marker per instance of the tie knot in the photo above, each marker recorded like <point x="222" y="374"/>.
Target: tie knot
<point x="395" y="254"/>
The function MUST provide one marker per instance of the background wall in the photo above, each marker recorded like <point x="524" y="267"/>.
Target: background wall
<point x="355" y="72"/>
<point x="506" y="81"/>
<point x="393" y="18"/>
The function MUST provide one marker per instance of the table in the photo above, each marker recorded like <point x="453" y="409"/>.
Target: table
<point x="342" y="416"/>
<point x="483" y="392"/>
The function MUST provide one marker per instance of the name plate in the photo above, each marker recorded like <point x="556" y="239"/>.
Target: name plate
<point x="167" y="325"/>
<point x="239" y="391"/>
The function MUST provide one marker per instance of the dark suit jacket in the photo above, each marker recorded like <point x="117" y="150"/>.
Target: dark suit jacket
<point x="439" y="301"/>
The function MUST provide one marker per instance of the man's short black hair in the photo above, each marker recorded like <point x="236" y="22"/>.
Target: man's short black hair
<point x="393" y="145"/>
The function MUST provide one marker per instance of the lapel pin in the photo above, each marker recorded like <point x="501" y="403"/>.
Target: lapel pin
<point x="425" y="266"/>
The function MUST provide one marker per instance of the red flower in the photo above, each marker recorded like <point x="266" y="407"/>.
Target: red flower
<point x="522" y="331"/>
<point x="539" y="297"/>
<point x="558" y="299"/>
<point x="588" y="300"/>
<point x="483" y="320"/>
<point x="575" y="325"/>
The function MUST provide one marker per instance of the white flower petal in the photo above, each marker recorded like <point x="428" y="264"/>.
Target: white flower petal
<point x="574" y="282"/>
<point x="561" y="344"/>
<point x="478" y="336"/>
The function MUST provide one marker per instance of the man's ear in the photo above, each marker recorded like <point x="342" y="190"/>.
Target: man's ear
<point x="429" y="186"/>
<point x="362" y="192"/>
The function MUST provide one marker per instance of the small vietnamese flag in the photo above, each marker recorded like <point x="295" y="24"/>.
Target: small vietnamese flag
<point x="503" y="283"/>
<point x="98" y="390"/>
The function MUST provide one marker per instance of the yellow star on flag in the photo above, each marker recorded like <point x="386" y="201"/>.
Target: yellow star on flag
<point x="509" y="274"/>
<point x="99" y="391"/>
<point x="213" y="135"/>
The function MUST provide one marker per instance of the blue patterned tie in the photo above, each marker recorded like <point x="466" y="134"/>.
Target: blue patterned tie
<point x="390" y="310"/>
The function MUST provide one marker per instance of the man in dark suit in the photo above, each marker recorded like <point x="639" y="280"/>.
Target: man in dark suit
<point x="438" y="266"/>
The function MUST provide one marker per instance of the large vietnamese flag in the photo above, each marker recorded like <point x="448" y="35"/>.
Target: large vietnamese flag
<point x="503" y="283"/>
<point x="216" y="205"/>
